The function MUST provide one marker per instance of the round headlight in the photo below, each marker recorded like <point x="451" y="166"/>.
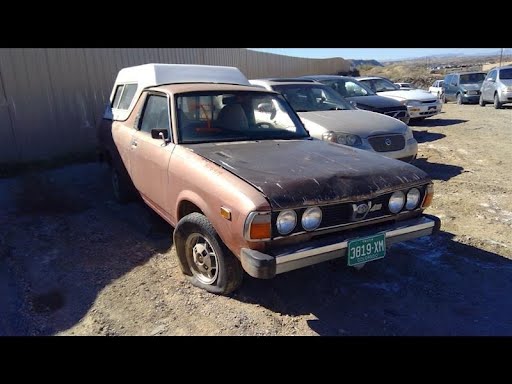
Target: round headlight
<point x="311" y="218"/>
<point x="396" y="202"/>
<point x="413" y="198"/>
<point x="286" y="222"/>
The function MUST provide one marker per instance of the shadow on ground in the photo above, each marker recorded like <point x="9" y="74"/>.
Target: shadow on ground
<point x="428" y="286"/>
<point x="438" y="171"/>
<point x="68" y="242"/>
<point x="435" y="122"/>
<point x="426" y="136"/>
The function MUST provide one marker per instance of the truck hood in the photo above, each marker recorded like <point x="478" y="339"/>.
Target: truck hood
<point x="413" y="94"/>
<point x="293" y="173"/>
<point x="358" y="122"/>
<point x="374" y="101"/>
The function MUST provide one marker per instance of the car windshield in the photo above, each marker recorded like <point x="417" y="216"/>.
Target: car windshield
<point x="471" y="78"/>
<point x="506" y="74"/>
<point x="348" y="88"/>
<point x="381" y="85"/>
<point x="312" y="97"/>
<point x="236" y="116"/>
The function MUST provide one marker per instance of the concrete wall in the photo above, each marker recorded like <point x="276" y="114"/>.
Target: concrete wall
<point x="52" y="99"/>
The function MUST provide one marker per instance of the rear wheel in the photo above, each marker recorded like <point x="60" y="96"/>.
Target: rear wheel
<point x="204" y="259"/>
<point x="481" y="101"/>
<point x="443" y="98"/>
<point x="497" y="103"/>
<point x="121" y="186"/>
<point x="459" y="99"/>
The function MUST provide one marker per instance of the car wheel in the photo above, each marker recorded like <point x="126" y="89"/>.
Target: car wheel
<point x="459" y="99"/>
<point x="121" y="186"/>
<point x="443" y="98"/>
<point x="497" y="103"/>
<point x="481" y="101"/>
<point x="203" y="257"/>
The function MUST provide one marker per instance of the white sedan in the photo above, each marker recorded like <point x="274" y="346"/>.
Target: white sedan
<point x="420" y="104"/>
<point x="437" y="88"/>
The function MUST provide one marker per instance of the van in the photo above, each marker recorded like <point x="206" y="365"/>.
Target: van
<point x="463" y="87"/>
<point x="497" y="87"/>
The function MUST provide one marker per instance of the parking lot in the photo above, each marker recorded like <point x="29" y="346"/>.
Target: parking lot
<point x="73" y="261"/>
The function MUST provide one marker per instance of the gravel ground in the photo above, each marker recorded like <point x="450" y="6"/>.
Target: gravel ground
<point x="74" y="262"/>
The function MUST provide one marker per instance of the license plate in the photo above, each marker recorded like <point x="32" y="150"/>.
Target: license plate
<point x="366" y="249"/>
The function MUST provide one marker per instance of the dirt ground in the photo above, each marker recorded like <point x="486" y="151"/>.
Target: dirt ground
<point x="74" y="262"/>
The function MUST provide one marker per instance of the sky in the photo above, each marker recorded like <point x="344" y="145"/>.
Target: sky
<point x="381" y="54"/>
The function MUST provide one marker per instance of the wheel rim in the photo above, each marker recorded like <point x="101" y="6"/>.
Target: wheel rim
<point x="203" y="260"/>
<point x="115" y="184"/>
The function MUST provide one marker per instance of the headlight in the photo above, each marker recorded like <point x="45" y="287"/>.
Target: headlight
<point x="343" y="138"/>
<point x="311" y="218"/>
<point x="286" y="222"/>
<point x="412" y="103"/>
<point x="396" y="202"/>
<point x="413" y="198"/>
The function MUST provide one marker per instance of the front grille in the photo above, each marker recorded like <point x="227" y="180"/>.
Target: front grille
<point x="334" y="215"/>
<point x="473" y="92"/>
<point x="387" y="143"/>
<point x="396" y="114"/>
<point x="429" y="101"/>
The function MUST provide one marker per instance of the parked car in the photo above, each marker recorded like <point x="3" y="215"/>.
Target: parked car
<point x="437" y="88"/>
<point x="463" y="87"/>
<point x="497" y="87"/>
<point x="244" y="194"/>
<point x="363" y="97"/>
<point x="420" y="104"/>
<point x="405" y="85"/>
<point x="327" y="116"/>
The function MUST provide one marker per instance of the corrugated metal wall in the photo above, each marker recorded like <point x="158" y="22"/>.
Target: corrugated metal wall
<point x="51" y="99"/>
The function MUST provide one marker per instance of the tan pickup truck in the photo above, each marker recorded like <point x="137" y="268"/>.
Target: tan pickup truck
<point x="245" y="194"/>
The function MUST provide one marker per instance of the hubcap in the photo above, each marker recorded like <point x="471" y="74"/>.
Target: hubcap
<point x="203" y="261"/>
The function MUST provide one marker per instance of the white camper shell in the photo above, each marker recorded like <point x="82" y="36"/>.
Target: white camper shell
<point x="131" y="81"/>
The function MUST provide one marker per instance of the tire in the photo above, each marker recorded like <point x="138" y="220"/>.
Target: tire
<point x="497" y="103"/>
<point x="481" y="101"/>
<point x="219" y="272"/>
<point x="459" y="99"/>
<point x="443" y="98"/>
<point x="122" y="186"/>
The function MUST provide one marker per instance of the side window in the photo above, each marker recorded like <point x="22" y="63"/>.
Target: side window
<point x="455" y="80"/>
<point x="492" y="75"/>
<point x="124" y="95"/>
<point x="155" y="114"/>
<point x="448" y="79"/>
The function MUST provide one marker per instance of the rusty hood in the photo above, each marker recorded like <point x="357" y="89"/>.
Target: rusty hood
<point x="294" y="173"/>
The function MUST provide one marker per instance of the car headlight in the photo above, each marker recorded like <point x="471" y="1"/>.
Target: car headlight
<point x="396" y="202"/>
<point x="343" y="138"/>
<point x="286" y="222"/>
<point x="413" y="198"/>
<point x="311" y="218"/>
<point x="412" y="103"/>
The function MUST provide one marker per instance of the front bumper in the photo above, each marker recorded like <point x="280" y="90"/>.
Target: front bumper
<point x="407" y="153"/>
<point x="470" y="98"/>
<point x="426" y="110"/>
<point x="288" y="258"/>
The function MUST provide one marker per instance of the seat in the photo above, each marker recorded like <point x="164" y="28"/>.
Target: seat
<point x="233" y="117"/>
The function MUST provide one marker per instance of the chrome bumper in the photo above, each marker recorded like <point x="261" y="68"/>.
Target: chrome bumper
<point x="261" y="265"/>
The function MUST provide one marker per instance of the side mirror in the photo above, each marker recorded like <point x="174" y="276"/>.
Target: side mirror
<point x="160" y="133"/>
<point x="491" y="80"/>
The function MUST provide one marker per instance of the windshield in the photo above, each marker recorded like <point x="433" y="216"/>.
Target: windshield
<point x="380" y="85"/>
<point x="506" y="74"/>
<point x="348" y="88"/>
<point x="471" y="78"/>
<point x="312" y="97"/>
<point x="235" y="116"/>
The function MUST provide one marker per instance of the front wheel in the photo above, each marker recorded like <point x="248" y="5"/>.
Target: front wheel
<point x="459" y="99"/>
<point x="121" y="186"/>
<point x="443" y="98"/>
<point x="497" y="103"/>
<point x="204" y="259"/>
<point x="481" y="101"/>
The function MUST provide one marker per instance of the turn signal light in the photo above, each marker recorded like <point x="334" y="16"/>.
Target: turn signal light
<point x="429" y="195"/>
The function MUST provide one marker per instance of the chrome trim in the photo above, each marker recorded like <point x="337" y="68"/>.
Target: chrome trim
<point x="301" y="259"/>
<point x="248" y="222"/>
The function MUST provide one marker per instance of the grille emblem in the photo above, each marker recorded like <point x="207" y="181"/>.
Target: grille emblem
<point x="359" y="211"/>
<point x="388" y="142"/>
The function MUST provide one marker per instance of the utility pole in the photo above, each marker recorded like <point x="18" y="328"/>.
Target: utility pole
<point x="501" y="55"/>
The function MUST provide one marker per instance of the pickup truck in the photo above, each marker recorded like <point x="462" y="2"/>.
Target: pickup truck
<point x="246" y="195"/>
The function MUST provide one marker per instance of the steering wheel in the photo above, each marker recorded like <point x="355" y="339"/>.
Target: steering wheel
<point x="264" y="125"/>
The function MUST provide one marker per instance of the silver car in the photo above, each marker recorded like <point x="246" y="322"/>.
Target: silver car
<point x="327" y="116"/>
<point x="497" y="87"/>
